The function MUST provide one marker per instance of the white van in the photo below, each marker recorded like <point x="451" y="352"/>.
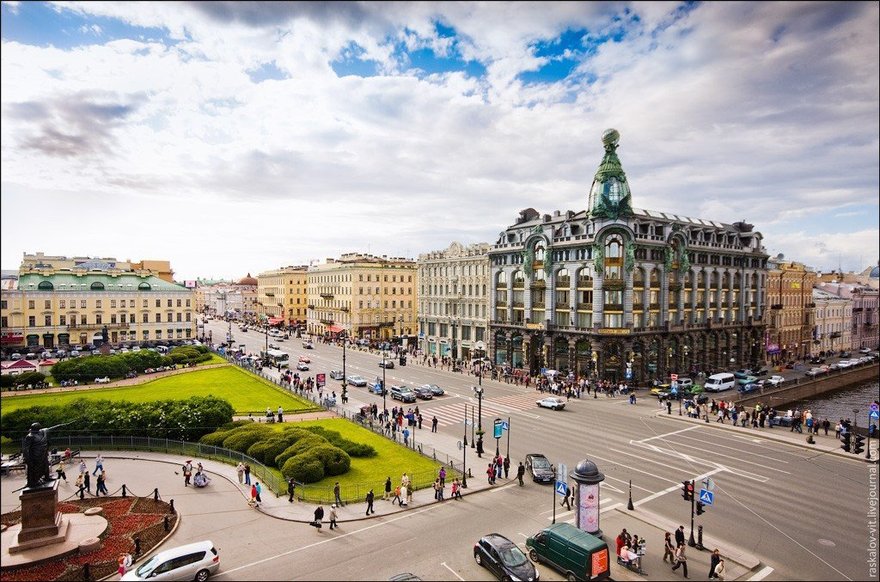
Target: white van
<point x="191" y="562"/>
<point x="720" y="382"/>
<point x="162" y="349"/>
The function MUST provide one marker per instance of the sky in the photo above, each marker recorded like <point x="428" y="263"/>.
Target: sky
<point x="234" y="138"/>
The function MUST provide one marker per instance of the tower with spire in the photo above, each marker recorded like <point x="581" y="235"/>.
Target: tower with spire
<point x="610" y="196"/>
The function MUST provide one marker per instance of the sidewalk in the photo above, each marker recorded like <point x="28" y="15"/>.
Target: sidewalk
<point x="824" y="444"/>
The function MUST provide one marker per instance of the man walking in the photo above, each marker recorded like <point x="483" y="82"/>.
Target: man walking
<point x="336" y="496"/>
<point x="87" y="481"/>
<point x="506" y="467"/>
<point x="102" y="486"/>
<point x="713" y="562"/>
<point x="370" y="498"/>
<point x="387" y="494"/>
<point x="99" y="464"/>
<point x="679" y="536"/>
<point x="566" y="501"/>
<point x="319" y="516"/>
<point x="280" y="414"/>
<point x="240" y="472"/>
<point x="681" y="560"/>
<point x="434" y="424"/>
<point x="247" y="474"/>
<point x="520" y="471"/>
<point x="291" y="487"/>
<point x="333" y="517"/>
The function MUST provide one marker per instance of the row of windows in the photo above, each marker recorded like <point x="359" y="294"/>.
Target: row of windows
<point x="466" y="270"/>
<point x="462" y="332"/>
<point x="83" y="319"/>
<point x="62" y="303"/>
<point x="615" y="319"/>
<point x="467" y="290"/>
<point x="468" y="310"/>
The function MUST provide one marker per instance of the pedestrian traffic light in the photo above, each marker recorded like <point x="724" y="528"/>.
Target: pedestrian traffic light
<point x="859" y="445"/>
<point x="846" y="441"/>
<point x="700" y="510"/>
<point x="687" y="490"/>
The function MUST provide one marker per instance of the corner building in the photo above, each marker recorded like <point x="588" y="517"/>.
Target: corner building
<point x="626" y="294"/>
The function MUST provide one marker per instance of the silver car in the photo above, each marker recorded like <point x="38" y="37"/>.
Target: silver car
<point x="190" y="562"/>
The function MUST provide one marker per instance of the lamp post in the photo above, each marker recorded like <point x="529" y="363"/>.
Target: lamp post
<point x="384" y="408"/>
<point x="479" y="392"/>
<point x="464" y="452"/>
<point x="344" y="377"/>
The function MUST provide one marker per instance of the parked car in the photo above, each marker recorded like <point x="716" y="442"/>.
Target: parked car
<point x="775" y="380"/>
<point x="435" y="390"/>
<point x="845" y="354"/>
<point x="388" y="364"/>
<point x="73" y="353"/>
<point x="305" y="359"/>
<point x="336" y="374"/>
<point x="190" y="562"/>
<point x="377" y="388"/>
<point x="424" y="393"/>
<point x="402" y="393"/>
<point x="750" y="387"/>
<point x="865" y="351"/>
<point x="551" y="402"/>
<point x="302" y="366"/>
<point x="746" y="380"/>
<point x="685" y="382"/>
<point x="540" y="468"/>
<point x="356" y="380"/>
<point x="813" y="372"/>
<point x="104" y="380"/>
<point x="817" y="360"/>
<point x="503" y="558"/>
<point x="30" y="356"/>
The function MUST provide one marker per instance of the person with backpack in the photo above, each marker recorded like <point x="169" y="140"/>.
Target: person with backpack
<point x="319" y="516"/>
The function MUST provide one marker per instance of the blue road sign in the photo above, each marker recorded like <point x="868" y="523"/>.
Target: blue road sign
<point x="874" y="415"/>
<point x="561" y="488"/>
<point x="706" y="496"/>
<point x="505" y="425"/>
<point x="875" y="407"/>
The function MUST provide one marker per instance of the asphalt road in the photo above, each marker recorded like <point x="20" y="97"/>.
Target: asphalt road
<point x="803" y="514"/>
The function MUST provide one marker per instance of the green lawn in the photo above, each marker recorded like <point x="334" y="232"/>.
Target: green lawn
<point x="392" y="460"/>
<point x="246" y="392"/>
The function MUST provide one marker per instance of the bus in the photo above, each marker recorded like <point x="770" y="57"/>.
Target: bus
<point x="276" y="358"/>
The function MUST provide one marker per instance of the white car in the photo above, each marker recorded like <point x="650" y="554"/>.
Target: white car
<point x="843" y="364"/>
<point x="302" y="367"/>
<point x="551" y="402"/>
<point x="104" y="380"/>
<point x="774" y="380"/>
<point x="190" y="562"/>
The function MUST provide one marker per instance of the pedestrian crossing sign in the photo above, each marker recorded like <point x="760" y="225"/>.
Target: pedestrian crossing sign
<point x="561" y="488"/>
<point x="706" y="496"/>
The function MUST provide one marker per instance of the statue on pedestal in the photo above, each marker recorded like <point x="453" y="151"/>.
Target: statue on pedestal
<point x="35" y="452"/>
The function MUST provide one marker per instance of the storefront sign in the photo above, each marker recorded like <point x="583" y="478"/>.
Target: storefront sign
<point x="615" y="331"/>
<point x="534" y="326"/>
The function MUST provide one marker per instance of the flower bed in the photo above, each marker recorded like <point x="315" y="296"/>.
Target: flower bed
<point x="127" y="518"/>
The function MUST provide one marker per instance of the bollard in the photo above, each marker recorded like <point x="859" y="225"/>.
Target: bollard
<point x="172" y="506"/>
<point x="699" y="537"/>
<point x="156" y="494"/>
<point x="87" y="574"/>
<point x="123" y="490"/>
<point x="167" y="524"/>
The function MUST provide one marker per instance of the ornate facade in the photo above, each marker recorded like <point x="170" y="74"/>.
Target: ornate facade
<point x="833" y="330"/>
<point x="624" y="293"/>
<point x="865" y="303"/>
<point x="453" y="301"/>
<point x="791" y="310"/>
<point x="282" y="296"/>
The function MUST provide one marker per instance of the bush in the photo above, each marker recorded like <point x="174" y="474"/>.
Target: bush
<point x="302" y="445"/>
<point x="334" y="438"/>
<point x="335" y="460"/>
<point x="242" y="438"/>
<point x="7" y="381"/>
<point x="32" y="378"/>
<point x="304" y="468"/>
<point x="265" y="451"/>
<point x="215" y="439"/>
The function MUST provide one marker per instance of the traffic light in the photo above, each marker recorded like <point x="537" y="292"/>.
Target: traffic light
<point x="687" y="490"/>
<point x="859" y="446"/>
<point x="700" y="510"/>
<point x="847" y="439"/>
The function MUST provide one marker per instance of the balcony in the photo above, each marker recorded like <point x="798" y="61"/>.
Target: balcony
<point x="311" y="306"/>
<point x="327" y="295"/>
<point x="613" y="284"/>
<point x="110" y="326"/>
<point x="326" y="321"/>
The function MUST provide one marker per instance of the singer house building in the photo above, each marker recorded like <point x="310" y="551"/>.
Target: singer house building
<point x="624" y="294"/>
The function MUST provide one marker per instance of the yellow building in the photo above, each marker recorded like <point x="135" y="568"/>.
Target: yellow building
<point x="791" y="310"/>
<point x="367" y="296"/>
<point x="40" y="262"/>
<point x="281" y="296"/>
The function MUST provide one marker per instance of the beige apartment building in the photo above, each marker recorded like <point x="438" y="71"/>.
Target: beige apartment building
<point x="281" y="296"/>
<point x="366" y="296"/>
<point x="833" y="330"/>
<point x="453" y="300"/>
<point x="58" y="302"/>
<point x="790" y="308"/>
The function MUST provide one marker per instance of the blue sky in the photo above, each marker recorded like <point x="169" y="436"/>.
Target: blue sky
<point x="311" y="129"/>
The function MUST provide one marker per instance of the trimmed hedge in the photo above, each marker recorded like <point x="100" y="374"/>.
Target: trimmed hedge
<point x="304" y="468"/>
<point x="265" y="451"/>
<point x="86" y="369"/>
<point x="334" y="438"/>
<point x="241" y="439"/>
<point x="335" y="460"/>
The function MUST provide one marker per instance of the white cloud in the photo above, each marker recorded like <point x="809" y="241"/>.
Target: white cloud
<point x="762" y="111"/>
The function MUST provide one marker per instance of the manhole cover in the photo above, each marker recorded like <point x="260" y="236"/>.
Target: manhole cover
<point x="828" y="543"/>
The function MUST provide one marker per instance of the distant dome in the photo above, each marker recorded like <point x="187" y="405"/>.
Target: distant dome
<point x="248" y="280"/>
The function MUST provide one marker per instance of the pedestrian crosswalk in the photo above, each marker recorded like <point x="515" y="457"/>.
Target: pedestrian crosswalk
<point x="453" y="412"/>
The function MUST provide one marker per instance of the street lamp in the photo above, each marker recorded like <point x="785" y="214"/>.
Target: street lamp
<point x="464" y="452"/>
<point x="344" y="336"/>
<point x="384" y="407"/>
<point x="479" y="392"/>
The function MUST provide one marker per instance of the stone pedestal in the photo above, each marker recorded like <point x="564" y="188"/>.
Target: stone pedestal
<point x="40" y="517"/>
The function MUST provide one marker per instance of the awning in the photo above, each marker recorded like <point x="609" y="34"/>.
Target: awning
<point x="276" y="320"/>
<point x="334" y="329"/>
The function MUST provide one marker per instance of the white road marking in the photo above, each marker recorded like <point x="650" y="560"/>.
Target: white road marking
<point x="662" y="463"/>
<point x="502" y="488"/>
<point x="660" y="436"/>
<point x="735" y="458"/>
<point x="762" y="455"/>
<point x="691" y="459"/>
<point x="627" y="482"/>
<point x="762" y="574"/>
<point x="611" y="507"/>
<point x="451" y="570"/>
<point x="674" y="487"/>
<point x="617" y="462"/>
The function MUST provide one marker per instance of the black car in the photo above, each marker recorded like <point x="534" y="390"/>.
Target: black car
<point x="389" y="364"/>
<point x="540" y="468"/>
<point x="424" y="393"/>
<point x="503" y="558"/>
<point x="435" y="390"/>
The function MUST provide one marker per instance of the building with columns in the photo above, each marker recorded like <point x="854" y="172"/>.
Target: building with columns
<point x="453" y="301"/>
<point x="366" y="296"/>
<point x="624" y="293"/>
<point x="833" y="330"/>
<point x="282" y="296"/>
<point x="791" y="311"/>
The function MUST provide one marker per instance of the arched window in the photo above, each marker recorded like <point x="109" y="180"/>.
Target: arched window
<point x="613" y="257"/>
<point x="45" y="286"/>
<point x="540" y="252"/>
<point x="97" y="286"/>
<point x="144" y="286"/>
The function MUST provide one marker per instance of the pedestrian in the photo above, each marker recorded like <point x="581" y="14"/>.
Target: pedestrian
<point x="442" y="475"/>
<point x="336" y="496"/>
<point x="82" y="466"/>
<point x="679" y="536"/>
<point x="291" y="488"/>
<point x="79" y="486"/>
<point x="681" y="560"/>
<point x="280" y="414"/>
<point x="101" y="486"/>
<point x="124" y="562"/>
<point x="187" y="473"/>
<point x="713" y="562"/>
<point x="247" y="474"/>
<point x="404" y="495"/>
<point x="668" y="548"/>
<point x="506" y="466"/>
<point x="60" y="472"/>
<point x="87" y="481"/>
<point x="719" y="570"/>
<point x="397" y="496"/>
<point x="436" y="487"/>
<point x="434" y="424"/>
<point x="240" y="471"/>
<point x="490" y="473"/>
<point x="99" y="464"/>
<point x="254" y="495"/>
<point x="370" y="498"/>
<point x="259" y="489"/>
<point x="420" y="421"/>
<point x="406" y="437"/>
<point x="566" y="501"/>
<point x="319" y="517"/>
<point x="520" y="472"/>
<point x="387" y="495"/>
<point x="333" y="517"/>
